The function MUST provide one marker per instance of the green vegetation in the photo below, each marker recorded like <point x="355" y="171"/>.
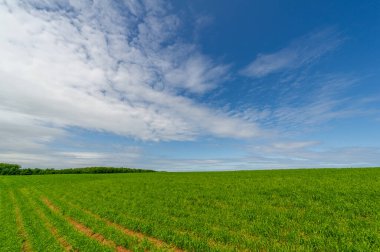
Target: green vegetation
<point x="279" y="210"/>
<point x="15" y="169"/>
<point x="9" y="169"/>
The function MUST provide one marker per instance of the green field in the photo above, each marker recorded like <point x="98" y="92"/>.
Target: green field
<point x="280" y="210"/>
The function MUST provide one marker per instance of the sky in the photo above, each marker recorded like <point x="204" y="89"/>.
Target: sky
<point x="190" y="85"/>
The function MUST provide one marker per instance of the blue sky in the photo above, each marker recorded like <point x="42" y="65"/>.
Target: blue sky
<point x="190" y="85"/>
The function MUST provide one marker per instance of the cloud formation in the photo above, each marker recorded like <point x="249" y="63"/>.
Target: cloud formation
<point x="310" y="154"/>
<point x="123" y="76"/>
<point x="300" y="52"/>
<point x="109" y="66"/>
<point x="282" y="155"/>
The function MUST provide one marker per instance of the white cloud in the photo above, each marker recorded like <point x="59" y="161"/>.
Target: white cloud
<point x="64" y="159"/>
<point x="310" y="155"/>
<point x="198" y="73"/>
<point x="276" y="155"/>
<point x="300" y="52"/>
<point x="98" y="66"/>
<point x="293" y="145"/>
<point x="120" y="67"/>
<point x="22" y="132"/>
<point x="314" y="103"/>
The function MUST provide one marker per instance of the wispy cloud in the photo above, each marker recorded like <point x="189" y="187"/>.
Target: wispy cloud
<point x="112" y="66"/>
<point x="302" y="51"/>
<point x="280" y="155"/>
<point x="122" y="67"/>
<point x="61" y="159"/>
<point x="311" y="155"/>
<point x="311" y="103"/>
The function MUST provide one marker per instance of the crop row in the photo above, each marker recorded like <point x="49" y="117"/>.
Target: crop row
<point x="295" y="210"/>
<point x="32" y="222"/>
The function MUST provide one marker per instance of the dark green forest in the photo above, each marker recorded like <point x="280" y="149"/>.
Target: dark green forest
<point x="15" y="169"/>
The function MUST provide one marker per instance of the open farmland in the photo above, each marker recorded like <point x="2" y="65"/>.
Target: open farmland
<point x="321" y="209"/>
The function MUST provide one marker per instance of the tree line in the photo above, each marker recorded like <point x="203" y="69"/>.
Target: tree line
<point x="15" y="169"/>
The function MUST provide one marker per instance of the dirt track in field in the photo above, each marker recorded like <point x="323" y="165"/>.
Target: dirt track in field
<point x="85" y="230"/>
<point x="62" y="241"/>
<point x="26" y="247"/>
<point x="158" y="243"/>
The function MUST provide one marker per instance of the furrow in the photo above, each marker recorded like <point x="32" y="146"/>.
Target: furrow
<point x="158" y="243"/>
<point x="26" y="246"/>
<point x="84" y="229"/>
<point x="65" y="229"/>
<point x="65" y="245"/>
<point x="9" y="237"/>
<point x="140" y="236"/>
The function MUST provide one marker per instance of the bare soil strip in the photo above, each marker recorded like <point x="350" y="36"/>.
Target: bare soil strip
<point x="85" y="230"/>
<point x="26" y="247"/>
<point x="140" y="236"/>
<point x="66" y="245"/>
<point x="129" y="232"/>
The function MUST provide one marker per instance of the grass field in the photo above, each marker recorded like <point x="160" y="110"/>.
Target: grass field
<point x="283" y="210"/>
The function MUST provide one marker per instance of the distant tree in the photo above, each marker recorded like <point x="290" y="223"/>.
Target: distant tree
<point x="27" y="171"/>
<point x="15" y="169"/>
<point x="9" y="169"/>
